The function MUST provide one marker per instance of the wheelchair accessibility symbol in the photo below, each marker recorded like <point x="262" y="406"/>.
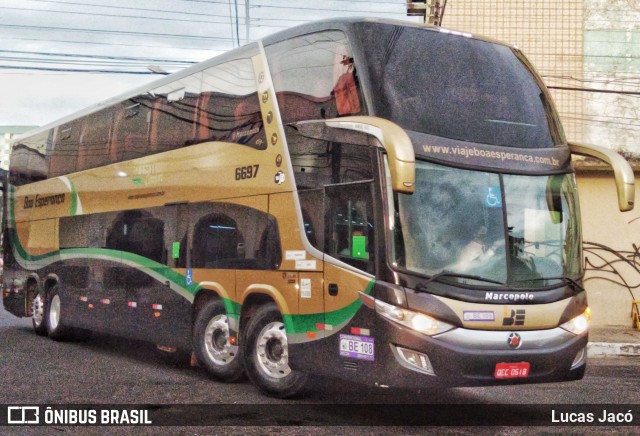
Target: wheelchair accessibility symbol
<point x="189" y="279"/>
<point x="492" y="196"/>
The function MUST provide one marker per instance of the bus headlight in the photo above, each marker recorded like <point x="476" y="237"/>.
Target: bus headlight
<point x="415" y="321"/>
<point x="579" y="324"/>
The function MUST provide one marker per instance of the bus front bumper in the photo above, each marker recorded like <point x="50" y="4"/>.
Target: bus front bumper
<point x="464" y="357"/>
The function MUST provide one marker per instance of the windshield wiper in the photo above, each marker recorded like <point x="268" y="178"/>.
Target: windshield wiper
<point x="422" y="286"/>
<point x="566" y="280"/>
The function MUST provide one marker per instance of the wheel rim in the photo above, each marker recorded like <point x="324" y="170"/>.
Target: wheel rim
<point x="216" y="340"/>
<point x="37" y="311"/>
<point x="54" y="312"/>
<point x="272" y="350"/>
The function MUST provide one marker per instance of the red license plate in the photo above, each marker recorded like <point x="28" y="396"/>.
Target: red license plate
<point x="512" y="370"/>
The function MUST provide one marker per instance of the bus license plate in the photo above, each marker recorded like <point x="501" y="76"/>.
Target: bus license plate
<point x="512" y="370"/>
<point x="357" y="347"/>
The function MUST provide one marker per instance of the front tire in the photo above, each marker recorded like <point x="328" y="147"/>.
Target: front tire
<point x="266" y="354"/>
<point x="220" y="358"/>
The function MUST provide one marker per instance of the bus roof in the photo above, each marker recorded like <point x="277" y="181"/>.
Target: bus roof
<point x="344" y="24"/>
<point x="350" y="22"/>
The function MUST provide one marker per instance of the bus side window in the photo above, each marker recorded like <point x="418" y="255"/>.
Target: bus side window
<point x="216" y="240"/>
<point x="350" y="224"/>
<point x="228" y="108"/>
<point x="64" y="157"/>
<point x="127" y="233"/>
<point x="312" y="223"/>
<point x="336" y="178"/>
<point x="27" y="165"/>
<point x="130" y="137"/>
<point x="95" y="138"/>
<point x="137" y="232"/>
<point x="171" y="123"/>
<point x="314" y="77"/>
<point x="269" y="252"/>
<point x="173" y="113"/>
<point x="30" y="158"/>
<point x="231" y="236"/>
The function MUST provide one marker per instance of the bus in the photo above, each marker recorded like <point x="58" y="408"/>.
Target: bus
<point x="379" y="201"/>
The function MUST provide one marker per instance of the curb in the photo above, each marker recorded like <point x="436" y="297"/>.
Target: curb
<point x="612" y="349"/>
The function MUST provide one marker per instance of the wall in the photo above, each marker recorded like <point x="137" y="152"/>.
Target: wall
<point x="583" y="44"/>
<point x="549" y="32"/>
<point x="612" y="62"/>
<point x="612" y="241"/>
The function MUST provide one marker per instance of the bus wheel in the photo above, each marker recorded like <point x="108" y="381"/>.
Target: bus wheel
<point x="38" y="315"/>
<point x="57" y="330"/>
<point x="266" y="354"/>
<point x="211" y="342"/>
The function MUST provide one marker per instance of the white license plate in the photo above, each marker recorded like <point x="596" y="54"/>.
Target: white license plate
<point x="357" y="347"/>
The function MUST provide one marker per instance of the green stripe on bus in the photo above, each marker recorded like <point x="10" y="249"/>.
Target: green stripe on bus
<point x="295" y="324"/>
<point x="232" y="308"/>
<point x="73" y="210"/>
<point x="140" y="262"/>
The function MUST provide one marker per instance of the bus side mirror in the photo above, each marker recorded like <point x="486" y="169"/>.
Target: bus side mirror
<point x="625" y="180"/>
<point x="402" y="159"/>
<point x="371" y="131"/>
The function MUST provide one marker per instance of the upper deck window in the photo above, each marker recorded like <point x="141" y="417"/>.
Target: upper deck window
<point x="315" y="77"/>
<point x="219" y="103"/>
<point x="457" y="87"/>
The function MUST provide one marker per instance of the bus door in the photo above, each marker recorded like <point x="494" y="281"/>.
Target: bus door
<point x="338" y="161"/>
<point x="336" y="189"/>
<point x="350" y="244"/>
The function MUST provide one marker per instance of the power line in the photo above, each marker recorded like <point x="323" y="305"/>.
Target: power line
<point x="622" y="77"/>
<point x="257" y="6"/>
<point x="115" y="32"/>
<point x="130" y="8"/>
<point x="205" y="1"/>
<point x="333" y="1"/>
<point x="8" y="62"/>
<point x="231" y="24"/>
<point x="237" y="24"/>
<point x="109" y="43"/>
<point x="605" y="91"/>
<point x="95" y="14"/>
<point x="280" y="19"/>
<point x="141" y="59"/>
<point x="73" y="70"/>
<point x="578" y="55"/>
<point x="367" y="2"/>
<point x="601" y="123"/>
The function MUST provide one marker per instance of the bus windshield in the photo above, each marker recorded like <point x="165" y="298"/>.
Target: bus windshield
<point x="473" y="90"/>
<point x="518" y="230"/>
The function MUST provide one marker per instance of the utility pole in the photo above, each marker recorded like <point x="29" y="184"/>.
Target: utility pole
<point x="247" y="22"/>
<point x="431" y="11"/>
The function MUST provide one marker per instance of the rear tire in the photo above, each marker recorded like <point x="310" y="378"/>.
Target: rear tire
<point x="54" y="321"/>
<point x="211" y="343"/>
<point x="38" y="314"/>
<point x="266" y="355"/>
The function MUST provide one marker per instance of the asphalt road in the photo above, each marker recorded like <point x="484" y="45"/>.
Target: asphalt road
<point x="108" y="370"/>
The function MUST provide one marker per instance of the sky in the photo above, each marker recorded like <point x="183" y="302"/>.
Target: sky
<point x="41" y="38"/>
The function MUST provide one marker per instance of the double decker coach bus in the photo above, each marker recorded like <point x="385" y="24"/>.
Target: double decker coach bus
<point x="373" y="200"/>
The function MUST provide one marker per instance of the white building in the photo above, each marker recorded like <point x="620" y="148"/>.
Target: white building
<point x="7" y="133"/>
<point x="588" y="53"/>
